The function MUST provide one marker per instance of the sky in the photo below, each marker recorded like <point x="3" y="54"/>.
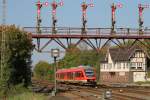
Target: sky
<point x="22" y="13"/>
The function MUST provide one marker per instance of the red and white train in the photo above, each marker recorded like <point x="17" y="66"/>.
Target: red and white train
<point x="80" y="75"/>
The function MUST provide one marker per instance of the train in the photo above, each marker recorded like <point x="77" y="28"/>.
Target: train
<point x="84" y="75"/>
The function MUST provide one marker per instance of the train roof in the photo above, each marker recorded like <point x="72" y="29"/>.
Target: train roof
<point x="79" y="68"/>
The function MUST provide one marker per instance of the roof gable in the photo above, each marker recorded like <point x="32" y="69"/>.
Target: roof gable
<point x="123" y="54"/>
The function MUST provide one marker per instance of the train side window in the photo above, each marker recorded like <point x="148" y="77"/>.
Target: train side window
<point x="76" y="74"/>
<point x="62" y="76"/>
<point x="71" y="76"/>
<point x="79" y="74"/>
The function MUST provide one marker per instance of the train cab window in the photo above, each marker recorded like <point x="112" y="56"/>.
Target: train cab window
<point x="89" y="72"/>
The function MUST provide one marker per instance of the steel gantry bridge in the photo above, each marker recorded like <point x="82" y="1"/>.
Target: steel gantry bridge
<point x="96" y="38"/>
<point x="93" y="36"/>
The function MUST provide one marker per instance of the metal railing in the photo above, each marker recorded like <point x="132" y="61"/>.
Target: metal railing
<point x="89" y="31"/>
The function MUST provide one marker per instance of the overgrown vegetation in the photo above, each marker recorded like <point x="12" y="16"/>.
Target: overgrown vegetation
<point x="16" y="67"/>
<point x="43" y="70"/>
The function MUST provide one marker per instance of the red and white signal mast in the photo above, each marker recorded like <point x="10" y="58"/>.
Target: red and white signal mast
<point x="113" y="19"/>
<point x="84" y="6"/>
<point x="141" y="20"/>
<point x="39" y="6"/>
<point x="54" y="6"/>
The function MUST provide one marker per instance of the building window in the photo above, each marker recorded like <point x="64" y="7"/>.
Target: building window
<point x="133" y="64"/>
<point x="127" y="65"/>
<point x="140" y="64"/>
<point x="109" y="66"/>
<point x="118" y="65"/>
<point x="103" y="66"/>
<point x="140" y="54"/>
<point x="124" y="65"/>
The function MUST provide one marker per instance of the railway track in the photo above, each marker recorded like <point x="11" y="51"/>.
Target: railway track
<point x="83" y="92"/>
<point x="115" y="95"/>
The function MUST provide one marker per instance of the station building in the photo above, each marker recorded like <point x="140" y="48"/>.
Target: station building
<point x="124" y="65"/>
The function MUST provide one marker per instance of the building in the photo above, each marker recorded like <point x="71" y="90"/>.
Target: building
<point x="124" y="65"/>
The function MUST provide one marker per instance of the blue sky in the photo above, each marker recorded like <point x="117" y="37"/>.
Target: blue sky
<point x="23" y="13"/>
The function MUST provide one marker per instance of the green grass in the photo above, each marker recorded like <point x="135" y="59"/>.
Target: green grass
<point x="140" y="82"/>
<point x="28" y="96"/>
<point x="148" y="74"/>
<point x="18" y="92"/>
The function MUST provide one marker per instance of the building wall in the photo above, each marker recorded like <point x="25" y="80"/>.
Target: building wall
<point x="138" y="60"/>
<point x="117" y="67"/>
<point x="139" y="76"/>
<point x="114" y="77"/>
<point x="119" y="72"/>
<point x="138" y="65"/>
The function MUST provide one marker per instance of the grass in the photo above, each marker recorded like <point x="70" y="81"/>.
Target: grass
<point x="28" y="96"/>
<point x="18" y="92"/>
<point x="140" y="82"/>
<point x="148" y="74"/>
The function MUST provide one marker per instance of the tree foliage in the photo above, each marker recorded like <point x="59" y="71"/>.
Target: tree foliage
<point x="43" y="70"/>
<point x="18" y="51"/>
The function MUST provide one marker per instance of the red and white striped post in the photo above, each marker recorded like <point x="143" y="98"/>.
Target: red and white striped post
<point x="141" y="19"/>
<point x="84" y="7"/>
<point x="113" y="10"/>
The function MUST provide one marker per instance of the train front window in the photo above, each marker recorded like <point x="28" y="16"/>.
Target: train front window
<point x="89" y="72"/>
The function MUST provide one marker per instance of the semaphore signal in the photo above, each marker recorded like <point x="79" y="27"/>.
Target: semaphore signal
<point x="84" y="7"/>
<point x="113" y="10"/>
<point x="141" y="20"/>
<point x="39" y="20"/>
<point x="54" y="6"/>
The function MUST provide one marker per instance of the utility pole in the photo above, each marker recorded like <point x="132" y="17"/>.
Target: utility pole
<point x="3" y="44"/>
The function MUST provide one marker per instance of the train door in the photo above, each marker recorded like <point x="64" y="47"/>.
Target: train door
<point x="79" y="75"/>
<point x="73" y="75"/>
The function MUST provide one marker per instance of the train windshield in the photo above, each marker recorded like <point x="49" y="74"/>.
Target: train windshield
<point x="89" y="72"/>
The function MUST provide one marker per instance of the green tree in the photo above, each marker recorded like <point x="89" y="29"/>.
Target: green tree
<point x="18" y="51"/>
<point x="43" y="70"/>
<point x="71" y="57"/>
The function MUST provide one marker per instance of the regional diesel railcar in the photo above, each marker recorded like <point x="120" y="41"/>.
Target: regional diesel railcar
<point x="81" y="75"/>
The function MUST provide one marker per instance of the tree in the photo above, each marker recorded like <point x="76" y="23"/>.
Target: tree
<point x="43" y="70"/>
<point x="18" y="51"/>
